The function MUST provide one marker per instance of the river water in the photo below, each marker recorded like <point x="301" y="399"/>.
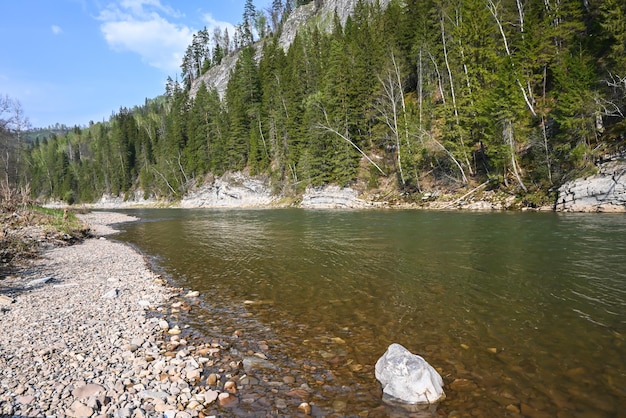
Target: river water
<point x="521" y="313"/>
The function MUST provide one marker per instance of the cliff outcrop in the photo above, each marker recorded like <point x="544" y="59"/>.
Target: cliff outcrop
<point x="333" y="197"/>
<point x="302" y="17"/>
<point x="602" y="192"/>
<point x="234" y="190"/>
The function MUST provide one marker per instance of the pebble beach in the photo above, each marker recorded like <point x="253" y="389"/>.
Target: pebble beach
<point x="83" y="335"/>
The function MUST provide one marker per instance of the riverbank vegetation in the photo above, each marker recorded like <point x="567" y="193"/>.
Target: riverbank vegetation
<point x="28" y="228"/>
<point x="414" y="96"/>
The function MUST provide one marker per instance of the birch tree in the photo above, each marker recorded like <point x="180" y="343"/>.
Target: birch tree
<point x="13" y="123"/>
<point x="392" y="111"/>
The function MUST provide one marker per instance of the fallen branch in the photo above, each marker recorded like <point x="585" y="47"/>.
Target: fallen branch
<point x="467" y="194"/>
<point x="329" y="129"/>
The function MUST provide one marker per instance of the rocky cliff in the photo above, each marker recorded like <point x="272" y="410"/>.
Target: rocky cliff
<point x="603" y="192"/>
<point x="303" y="17"/>
<point x="238" y="190"/>
<point x="234" y="190"/>
<point x="333" y="197"/>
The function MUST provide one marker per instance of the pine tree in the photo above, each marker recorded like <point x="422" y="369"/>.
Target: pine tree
<point x="243" y="99"/>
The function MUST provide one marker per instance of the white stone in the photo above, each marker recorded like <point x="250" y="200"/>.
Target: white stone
<point x="407" y="377"/>
<point x="88" y="390"/>
<point x="110" y="294"/>
<point x="170" y="414"/>
<point x="38" y="281"/>
<point x="210" y="396"/>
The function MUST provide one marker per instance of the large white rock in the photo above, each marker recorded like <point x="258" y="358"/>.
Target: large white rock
<point x="332" y="197"/>
<point x="407" y="377"/>
<point x="603" y="192"/>
<point x="232" y="190"/>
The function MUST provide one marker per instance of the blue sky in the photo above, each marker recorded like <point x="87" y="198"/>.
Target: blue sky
<point x="75" y="61"/>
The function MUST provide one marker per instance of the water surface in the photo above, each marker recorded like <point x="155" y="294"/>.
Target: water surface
<point x="520" y="312"/>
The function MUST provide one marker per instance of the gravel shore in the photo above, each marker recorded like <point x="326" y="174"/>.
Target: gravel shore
<point x="83" y="336"/>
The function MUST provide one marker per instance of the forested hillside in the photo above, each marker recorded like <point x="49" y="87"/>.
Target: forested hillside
<point x="420" y="94"/>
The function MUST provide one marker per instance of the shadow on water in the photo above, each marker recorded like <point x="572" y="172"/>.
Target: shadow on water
<point x="521" y="313"/>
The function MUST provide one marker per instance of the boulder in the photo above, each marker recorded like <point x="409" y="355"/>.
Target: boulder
<point x="407" y="377"/>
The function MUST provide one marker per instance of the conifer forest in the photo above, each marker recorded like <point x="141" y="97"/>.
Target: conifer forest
<point x="415" y="94"/>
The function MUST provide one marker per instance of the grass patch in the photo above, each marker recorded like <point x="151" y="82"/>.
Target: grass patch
<point x="26" y="230"/>
<point x="62" y="220"/>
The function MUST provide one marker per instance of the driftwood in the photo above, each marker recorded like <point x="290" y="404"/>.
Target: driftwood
<point x="475" y="189"/>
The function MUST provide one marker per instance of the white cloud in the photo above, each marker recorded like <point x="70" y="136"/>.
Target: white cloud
<point x="56" y="29"/>
<point x="138" y="7"/>
<point x="139" y="26"/>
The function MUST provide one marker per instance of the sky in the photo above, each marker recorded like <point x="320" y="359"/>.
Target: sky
<point x="76" y="61"/>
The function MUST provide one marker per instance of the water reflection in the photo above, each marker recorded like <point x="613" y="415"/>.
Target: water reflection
<point x="527" y="307"/>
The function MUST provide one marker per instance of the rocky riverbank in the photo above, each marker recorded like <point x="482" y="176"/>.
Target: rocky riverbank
<point x="88" y="330"/>
<point x="602" y="192"/>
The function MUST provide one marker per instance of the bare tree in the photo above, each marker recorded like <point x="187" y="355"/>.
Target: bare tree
<point x="13" y="123"/>
<point x="493" y="9"/>
<point x="393" y="112"/>
<point x="509" y="138"/>
<point x="328" y="128"/>
<point x="452" y="91"/>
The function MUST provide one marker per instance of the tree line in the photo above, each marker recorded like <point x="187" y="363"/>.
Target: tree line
<point x="525" y="93"/>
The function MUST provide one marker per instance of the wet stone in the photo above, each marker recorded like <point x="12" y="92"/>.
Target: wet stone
<point x="463" y="385"/>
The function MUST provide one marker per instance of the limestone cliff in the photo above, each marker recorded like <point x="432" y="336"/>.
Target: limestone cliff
<point x="232" y="190"/>
<point x="302" y="17"/>
<point x="603" y="192"/>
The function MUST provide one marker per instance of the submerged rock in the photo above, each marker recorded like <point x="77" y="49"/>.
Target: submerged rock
<point x="251" y="363"/>
<point x="407" y="377"/>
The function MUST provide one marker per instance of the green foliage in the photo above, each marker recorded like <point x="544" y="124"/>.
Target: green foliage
<point x="429" y="90"/>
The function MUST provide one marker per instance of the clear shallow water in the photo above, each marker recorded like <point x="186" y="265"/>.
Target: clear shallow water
<point x="524" y="311"/>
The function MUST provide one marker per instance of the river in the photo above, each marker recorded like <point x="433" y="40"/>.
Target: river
<point x="521" y="313"/>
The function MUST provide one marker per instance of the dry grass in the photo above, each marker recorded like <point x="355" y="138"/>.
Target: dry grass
<point x="26" y="228"/>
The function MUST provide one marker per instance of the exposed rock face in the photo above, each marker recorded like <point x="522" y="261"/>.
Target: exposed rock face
<point x="332" y="197"/>
<point x="603" y="192"/>
<point x="110" y="201"/>
<point x="217" y="77"/>
<point x="230" y="191"/>
<point x="408" y="377"/>
<point x="323" y="16"/>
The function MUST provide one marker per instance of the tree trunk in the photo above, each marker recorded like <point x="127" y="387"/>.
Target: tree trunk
<point x="456" y="110"/>
<point x="510" y="139"/>
<point x="494" y="12"/>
